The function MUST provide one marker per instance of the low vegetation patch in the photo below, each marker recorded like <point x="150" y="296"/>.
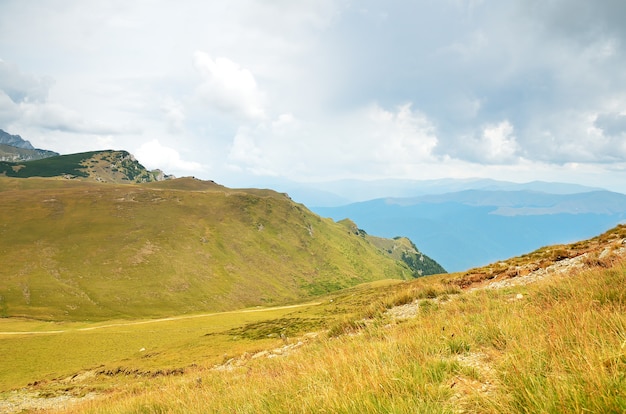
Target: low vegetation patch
<point x="277" y="328"/>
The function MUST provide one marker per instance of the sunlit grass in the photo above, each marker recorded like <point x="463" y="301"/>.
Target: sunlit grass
<point x="559" y="348"/>
<point x="144" y="345"/>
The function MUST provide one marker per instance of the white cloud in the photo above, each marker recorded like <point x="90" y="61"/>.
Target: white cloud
<point x="401" y="136"/>
<point x="469" y="47"/>
<point x="228" y="87"/>
<point x="174" y="114"/>
<point x="492" y="144"/>
<point x="577" y="136"/>
<point x="611" y="124"/>
<point x="24" y="101"/>
<point x="21" y="86"/>
<point x="285" y="88"/>
<point x="9" y="110"/>
<point x="53" y="116"/>
<point x="364" y="142"/>
<point x="284" y="123"/>
<point x="250" y="154"/>
<point x="498" y="142"/>
<point x="153" y="155"/>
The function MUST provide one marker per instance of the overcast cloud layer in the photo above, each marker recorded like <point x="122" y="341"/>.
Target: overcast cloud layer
<point x="325" y="89"/>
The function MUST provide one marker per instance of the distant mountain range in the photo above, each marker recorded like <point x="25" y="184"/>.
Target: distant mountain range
<point x="342" y="192"/>
<point x="465" y="223"/>
<point x="472" y="228"/>
<point x="13" y="149"/>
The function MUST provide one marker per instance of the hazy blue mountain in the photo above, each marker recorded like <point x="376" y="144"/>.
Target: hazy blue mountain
<point x="342" y="192"/>
<point x="466" y="229"/>
<point x="516" y="203"/>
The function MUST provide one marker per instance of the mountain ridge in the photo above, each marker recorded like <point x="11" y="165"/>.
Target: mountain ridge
<point x="508" y="201"/>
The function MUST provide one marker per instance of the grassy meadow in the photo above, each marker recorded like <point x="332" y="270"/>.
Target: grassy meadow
<point x="558" y="345"/>
<point x="48" y="351"/>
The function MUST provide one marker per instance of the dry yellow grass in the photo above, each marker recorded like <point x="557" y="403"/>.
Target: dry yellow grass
<point x="558" y="345"/>
<point x="555" y="345"/>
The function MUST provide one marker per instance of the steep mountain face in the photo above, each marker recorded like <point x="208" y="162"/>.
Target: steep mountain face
<point x="14" y="149"/>
<point x="14" y="140"/>
<point x="473" y="228"/>
<point x="103" y="166"/>
<point x="81" y="250"/>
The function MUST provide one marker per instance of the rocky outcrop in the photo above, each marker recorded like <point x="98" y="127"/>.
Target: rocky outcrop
<point x="14" y="140"/>
<point x="15" y="149"/>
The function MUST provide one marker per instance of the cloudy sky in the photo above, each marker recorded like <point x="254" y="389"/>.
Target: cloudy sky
<point x="240" y="91"/>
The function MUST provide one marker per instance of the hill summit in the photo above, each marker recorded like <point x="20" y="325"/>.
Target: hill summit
<point x="103" y="166"/>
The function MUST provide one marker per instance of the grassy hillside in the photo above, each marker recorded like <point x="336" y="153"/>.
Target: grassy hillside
<point x="554" y="350"/>
<point x="553" y="344"/>
<point x="77" y="251"/>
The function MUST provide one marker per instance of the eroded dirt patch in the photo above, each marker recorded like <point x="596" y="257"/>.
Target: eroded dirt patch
<point x="20" y="401"/>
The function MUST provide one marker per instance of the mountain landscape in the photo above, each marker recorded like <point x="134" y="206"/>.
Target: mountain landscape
<point x="126" y="290"/>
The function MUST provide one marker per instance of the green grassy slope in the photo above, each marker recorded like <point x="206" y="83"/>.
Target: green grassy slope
<point x="77" y="251"/>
